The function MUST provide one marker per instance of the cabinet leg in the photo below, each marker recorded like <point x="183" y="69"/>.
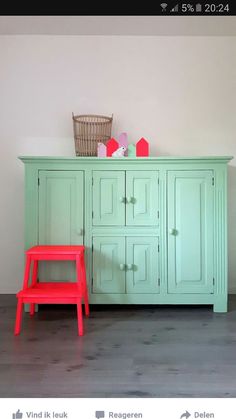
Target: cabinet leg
<point x="221" y="306"/>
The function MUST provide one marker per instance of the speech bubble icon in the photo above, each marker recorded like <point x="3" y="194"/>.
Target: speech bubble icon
<point x="100" y="414"/>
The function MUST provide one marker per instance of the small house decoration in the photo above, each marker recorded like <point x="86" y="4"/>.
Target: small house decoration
<point x="120" y="152"/>
<point x="112" y="145"/>
<point x="123" y="141"/>
<point x="121" y="148"/>
<point x="131" y="150"/>
<point x="142" y="148"/>
<point x="101" y="150"/>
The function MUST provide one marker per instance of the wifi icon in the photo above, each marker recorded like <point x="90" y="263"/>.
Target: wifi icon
<point x="164" y="6"/>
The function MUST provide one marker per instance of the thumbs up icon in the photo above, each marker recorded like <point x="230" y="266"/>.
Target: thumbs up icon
<point x="17" y="415"/>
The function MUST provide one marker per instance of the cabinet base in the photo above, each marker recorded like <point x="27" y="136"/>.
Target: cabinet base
<point x="218" y="307"/>
<point x="217" y="303"/>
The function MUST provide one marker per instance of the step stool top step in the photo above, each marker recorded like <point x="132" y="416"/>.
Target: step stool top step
<point x="55" y="249"/>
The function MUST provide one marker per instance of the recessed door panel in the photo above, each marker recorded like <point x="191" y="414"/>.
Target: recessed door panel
<point x="61" y="202"/>
<point x="109" y="265"/>
<point x="190" y="232"/>
<point x="142" y="198"/>
<point x="108" y="198"/>
<point x="142" y="265"/>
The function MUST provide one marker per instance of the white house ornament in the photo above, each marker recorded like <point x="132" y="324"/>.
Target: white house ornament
<point x="120" y="152"/>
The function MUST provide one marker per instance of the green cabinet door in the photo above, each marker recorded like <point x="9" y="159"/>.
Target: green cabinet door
<point x="108" y="198"/>
<point x="190" y="231"/>
<point x="142" y="198"/>
<point x="142" y="268"/>
<point x="109" y="265"/>
<point x="61" y="201"/>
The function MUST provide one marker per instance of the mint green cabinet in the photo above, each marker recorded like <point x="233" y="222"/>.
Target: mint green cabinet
<point x="155" y="229"/>
<point x="125" y="265"/>
<point x="190" y="231"/>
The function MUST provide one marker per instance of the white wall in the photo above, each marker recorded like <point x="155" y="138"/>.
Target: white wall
<point x="179" y="92"/>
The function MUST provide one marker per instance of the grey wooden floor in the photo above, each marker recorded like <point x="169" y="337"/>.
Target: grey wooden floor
<point x="125" y="352"/>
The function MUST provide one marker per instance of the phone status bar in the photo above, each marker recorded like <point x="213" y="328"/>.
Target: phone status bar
<point x="195" y="8"/>
<point x="149" y="8"/>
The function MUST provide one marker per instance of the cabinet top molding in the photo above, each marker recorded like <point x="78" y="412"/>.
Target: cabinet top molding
<point x="137" y="160"/>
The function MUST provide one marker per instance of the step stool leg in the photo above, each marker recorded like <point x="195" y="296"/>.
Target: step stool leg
<point x="32" y="309"/>
<point x="85" y="290"/>
<point x="35" y="272"/>
<point x="86" y="301"/>
<point x="34" y="281"/>
<point x="27" y="272"/>
<point x="18" y="316"/>
<point x="80" y="318"/>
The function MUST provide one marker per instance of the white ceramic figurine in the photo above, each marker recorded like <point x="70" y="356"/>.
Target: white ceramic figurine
<point x="120" y="152"/>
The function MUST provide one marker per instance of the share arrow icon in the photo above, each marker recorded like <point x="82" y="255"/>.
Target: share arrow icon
<point x="185" y="415"/>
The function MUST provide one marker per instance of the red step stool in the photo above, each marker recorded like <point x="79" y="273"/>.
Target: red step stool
<point x="53" y="292"/>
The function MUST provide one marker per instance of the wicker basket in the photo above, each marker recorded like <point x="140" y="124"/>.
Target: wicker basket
<point x="89" y="130"/>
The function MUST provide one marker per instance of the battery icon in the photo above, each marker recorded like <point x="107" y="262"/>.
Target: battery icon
<point x="198" y="7"/>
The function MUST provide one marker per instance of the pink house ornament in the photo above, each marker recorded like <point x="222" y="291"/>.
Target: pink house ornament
<point x="101" y="150"/>
<point x="123" y="140"/>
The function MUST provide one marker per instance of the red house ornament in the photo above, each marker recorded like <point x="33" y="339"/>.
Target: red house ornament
<point x="112" y="145"/>
<point x="142" y="148"/>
